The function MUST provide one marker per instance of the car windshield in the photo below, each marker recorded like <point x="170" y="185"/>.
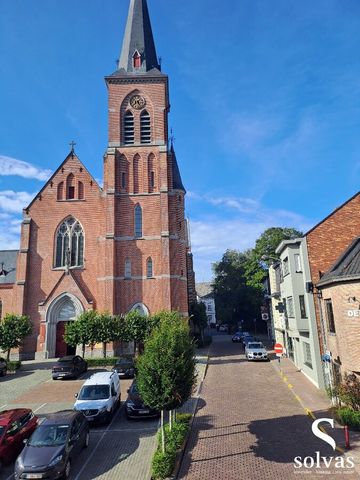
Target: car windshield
<point x="134" y="389"/>
<point x="124" y="362"/>
<point x="94" y="392"/>
<point x="65" y="360"/>
<point x="49" y="436"/>
<point x="255" y="345"/>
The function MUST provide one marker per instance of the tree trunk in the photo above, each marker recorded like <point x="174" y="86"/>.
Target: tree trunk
<point x="104" y="349"/>
<point x="8" y="355"/>
<point x="83" y="350"/>
<point x="162" y="432"/>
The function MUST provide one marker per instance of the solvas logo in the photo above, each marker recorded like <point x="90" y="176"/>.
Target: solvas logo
<point x="318" y="461"/>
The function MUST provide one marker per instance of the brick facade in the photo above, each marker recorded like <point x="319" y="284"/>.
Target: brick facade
<point x="137" y="174"/>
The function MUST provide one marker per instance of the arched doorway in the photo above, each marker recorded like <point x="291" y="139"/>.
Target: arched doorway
<point x="64" y="308"/>
<point x="141" y="308"/>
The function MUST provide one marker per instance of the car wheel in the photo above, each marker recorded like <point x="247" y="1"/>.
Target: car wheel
<point x="87" y="439"/>
<point x="67" y="470"/>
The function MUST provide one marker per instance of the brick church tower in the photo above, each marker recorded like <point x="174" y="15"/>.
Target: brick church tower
<point x="145" y="227"/>
<point x="117" y="248"/>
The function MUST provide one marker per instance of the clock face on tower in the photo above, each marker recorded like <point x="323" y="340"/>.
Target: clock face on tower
<point x="137" y="102"/>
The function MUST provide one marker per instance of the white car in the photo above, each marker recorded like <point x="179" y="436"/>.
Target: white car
<point x="256" y="351"/>
<point x="99" y="397"/>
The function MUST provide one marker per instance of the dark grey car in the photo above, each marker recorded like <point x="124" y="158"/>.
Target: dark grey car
<point x="50" y="450"/>
<point x="3" y="367"/>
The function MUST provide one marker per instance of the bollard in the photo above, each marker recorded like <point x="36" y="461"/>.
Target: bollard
<point x="347" y="437"/>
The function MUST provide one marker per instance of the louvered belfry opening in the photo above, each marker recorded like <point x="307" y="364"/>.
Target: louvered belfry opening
<point x="129" y="136"/>
<point x="145" y="127"/>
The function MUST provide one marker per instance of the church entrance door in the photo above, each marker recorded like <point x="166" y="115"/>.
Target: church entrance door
<point x="61" y="348"/>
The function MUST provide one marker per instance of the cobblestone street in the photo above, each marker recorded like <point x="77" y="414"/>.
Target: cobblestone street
<point x="249" y="424"/>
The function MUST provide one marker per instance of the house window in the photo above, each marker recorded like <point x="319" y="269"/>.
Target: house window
<point x="290" y="306"/>
<point x="145" y="127"/>
<point x="285" y="266"/>
<point x="138" y="221"/>
<point x="149" y="268"/>
<point x="302" y="306"/>
<point x="307" y="354"/>
<point x="297" y="262"/>
<point x="330" y="316"/>
<point x="127" y="268"/>
<point x="129" y="134"/>
<point x="69" y="244"/>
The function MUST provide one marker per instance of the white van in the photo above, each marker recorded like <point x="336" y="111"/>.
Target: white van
<point x="99" y="397"/>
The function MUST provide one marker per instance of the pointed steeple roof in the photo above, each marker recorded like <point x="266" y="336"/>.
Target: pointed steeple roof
<point x="176" y="177"/>
<point x="138" y="41"/>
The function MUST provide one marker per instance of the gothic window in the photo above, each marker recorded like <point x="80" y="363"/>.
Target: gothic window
<point x="70" y="189"/>
<point x="136" y="174"/>
<point x="80" y="191"/>
<point x="145" y="127"/>
<point x="149" y="268"/>
<point x="60" y="191"/>
<point x="123" y="180"/>
<point x="1" y="309"/>
<point x="69" y="244"/>
<point x="127" y="268"/>
<point x="138" y="221"/>
<point x="151" y="172"/>
<point x="137" y="60"/>
<point x="129" y="128"/>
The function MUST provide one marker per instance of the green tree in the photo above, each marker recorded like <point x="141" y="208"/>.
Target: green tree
<point x="198" y="318"/>
<point x="13" y="329"/>
<point x="107" y="329"/>
<point x="82" y="331"/>
<point x="263" y="254"/>
<point x="166" y="370"/>
<point x="138" y="328"/>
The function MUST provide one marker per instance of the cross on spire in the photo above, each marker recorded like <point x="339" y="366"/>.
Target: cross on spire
<point x="72" y="145"/>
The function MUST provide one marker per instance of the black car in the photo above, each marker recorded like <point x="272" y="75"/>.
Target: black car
<point x="125" y="367"/>
<point x="237" y="338"/>
<point x="3" y="367"/>
<point x="51" y="449"/>
<point x="135" y="408"/>
<point x="69" y="367"/>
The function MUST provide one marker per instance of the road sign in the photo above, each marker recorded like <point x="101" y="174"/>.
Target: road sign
<point x="279" y="349"/>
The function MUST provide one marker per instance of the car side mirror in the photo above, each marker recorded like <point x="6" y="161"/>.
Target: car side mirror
<point x="76" y="395"/>
<point x="25" y="441"/>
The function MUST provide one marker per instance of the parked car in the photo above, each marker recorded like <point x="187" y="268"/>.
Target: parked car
<point x="134" y="406"/>
<point x="3" y="367"/>
<point x="70" y="366"/>
<point x="247" y="339"/>
<point x="245" y="334"/>
<point x="51" y="449"/>
<point x="15" y="426"/>
<point x="125" y="368"/>
<point x="99" y="397"/>
<point x="237" y="337"/>
<point x="224" y="328"/>
<point x="256" y="351"/>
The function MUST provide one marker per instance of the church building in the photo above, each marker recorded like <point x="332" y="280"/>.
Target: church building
<point x="117" y="248"/>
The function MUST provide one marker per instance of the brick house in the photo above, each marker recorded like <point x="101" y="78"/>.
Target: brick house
<point x="339" y="296"/>
<point x="116" y="248"/>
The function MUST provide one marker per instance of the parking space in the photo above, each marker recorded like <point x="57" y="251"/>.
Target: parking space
<point x="122" y="449"/>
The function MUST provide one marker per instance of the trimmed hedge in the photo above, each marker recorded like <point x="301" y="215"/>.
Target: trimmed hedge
<point x="13" y="365"/>
<point x="104" y="362"/>
<point x="163" y="464"/>
<point x="348" y="416"/>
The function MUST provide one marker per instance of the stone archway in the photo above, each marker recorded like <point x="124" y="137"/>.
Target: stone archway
<point x="65" y="308"/>
<point x="141" y="308"/>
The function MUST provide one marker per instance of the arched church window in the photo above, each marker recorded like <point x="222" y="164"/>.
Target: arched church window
<point x="145" y="127"/>
<point x="137" y="60"/>
<point x="69" y="244"/>
<point x="60" y="191"/>
<point x="127" y="268"/>
<point x="70" y="188"/>
<point x="129" y="128"/>
<point x="138" y="221"/>
<point x="80" y="190"/>
<point x="149" y="268"/>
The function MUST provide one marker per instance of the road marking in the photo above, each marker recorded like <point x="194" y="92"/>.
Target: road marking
<point x="98" y="442"/>
<point x="3" y="406"/>
<point x="43" y="405"/>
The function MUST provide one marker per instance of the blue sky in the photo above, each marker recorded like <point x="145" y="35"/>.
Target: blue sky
<point x="264" y="106"/>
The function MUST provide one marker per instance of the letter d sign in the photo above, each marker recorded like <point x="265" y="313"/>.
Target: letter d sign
<point x="323" y="436"/>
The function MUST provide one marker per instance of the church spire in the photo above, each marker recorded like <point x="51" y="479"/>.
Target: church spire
<point x="138" y="54"/>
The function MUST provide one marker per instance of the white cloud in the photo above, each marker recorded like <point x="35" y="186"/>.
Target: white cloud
<point x="14" y="202"/>
<point x="13" y="166"/>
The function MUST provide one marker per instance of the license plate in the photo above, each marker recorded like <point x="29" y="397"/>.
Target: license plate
<point x="145" y="412"/>
<point x="34" y="475"/>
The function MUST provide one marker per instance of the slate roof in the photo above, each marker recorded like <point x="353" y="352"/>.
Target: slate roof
<point x="204" y="289"/>
<point x="346" y="267"/>
<point x="177" y="182"/>
<point x="138" y="37"/>
<point x="8" y="260"/>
